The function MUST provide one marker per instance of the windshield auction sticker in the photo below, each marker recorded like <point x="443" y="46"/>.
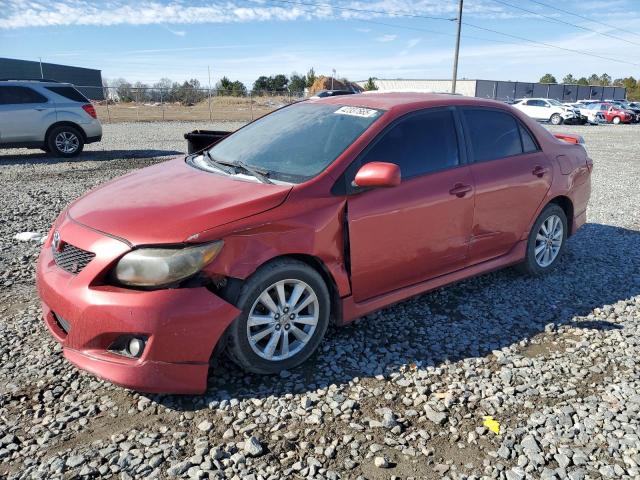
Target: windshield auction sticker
<point x="357" y="111"/>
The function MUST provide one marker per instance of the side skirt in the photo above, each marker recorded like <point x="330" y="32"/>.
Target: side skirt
<point x="352" y="310"/>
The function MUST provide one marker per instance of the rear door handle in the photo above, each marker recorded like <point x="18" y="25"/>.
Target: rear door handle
<point x="460" y="190"/>
<point x="40" y="109"/>
<point x="539" y="171"/>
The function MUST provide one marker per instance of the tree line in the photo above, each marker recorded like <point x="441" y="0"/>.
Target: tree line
<point x="191" y="91"/>
<point x="630" y="83"/>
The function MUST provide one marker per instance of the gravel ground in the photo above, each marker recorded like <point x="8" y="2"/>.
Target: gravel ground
<point x="400" y="394"/>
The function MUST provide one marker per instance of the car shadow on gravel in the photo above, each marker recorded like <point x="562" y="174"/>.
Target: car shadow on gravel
<point x="86" y="156"/>
<point x="469" y="319"/>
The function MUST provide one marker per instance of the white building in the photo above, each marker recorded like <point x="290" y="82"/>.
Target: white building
<point x="463" y="87"/>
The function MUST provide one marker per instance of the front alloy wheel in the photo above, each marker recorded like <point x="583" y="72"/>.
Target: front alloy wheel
<point x="283" y="319"/>
<point x="285" y="309"/>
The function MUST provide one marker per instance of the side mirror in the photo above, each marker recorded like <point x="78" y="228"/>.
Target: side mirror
<point x="377" y="174"/>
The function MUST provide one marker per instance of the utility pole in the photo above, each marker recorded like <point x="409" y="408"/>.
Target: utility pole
<point x="209" y="90"/>
<point x="455" y="58"/>
<point x="41" y="74"/>
<point x="334" y="75"/>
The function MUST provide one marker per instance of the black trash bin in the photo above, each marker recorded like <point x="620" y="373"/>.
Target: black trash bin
<point x="200" y="139"/>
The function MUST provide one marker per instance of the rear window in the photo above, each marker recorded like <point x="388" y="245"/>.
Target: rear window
<point x="494" y="134"/>
<point x="69" y="92"/>
<point x="11" y="95"/>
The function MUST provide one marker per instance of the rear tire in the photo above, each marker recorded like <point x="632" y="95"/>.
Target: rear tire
<point x="616" y="120"/>
<point x="65" y="141"/>
<point x="555" y="119"/>
<point x="285" y="313"/>
<point x="547" y="240"/>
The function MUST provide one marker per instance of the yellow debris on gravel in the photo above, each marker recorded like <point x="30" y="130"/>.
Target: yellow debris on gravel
<point x="491" y="424"/>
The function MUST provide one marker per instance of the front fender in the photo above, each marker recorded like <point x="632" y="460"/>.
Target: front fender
<point x="314" y="229"/>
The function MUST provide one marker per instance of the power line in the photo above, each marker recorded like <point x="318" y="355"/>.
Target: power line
<point x="435" y="32"/>
<point x="584" y="18"/>
<point x="550" y="45"/>
<point x="403" y="27"/>
<point x="604" y="34"/>
<point x="517" y="37"/>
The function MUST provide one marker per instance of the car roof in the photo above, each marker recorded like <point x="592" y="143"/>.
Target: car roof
<point x="404" y="100"/>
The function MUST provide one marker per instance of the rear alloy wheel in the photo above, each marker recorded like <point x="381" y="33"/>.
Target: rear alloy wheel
<point x="285" y="313"/>
<point x="556" y="119"/>
<point x="546" y="241"/>
<point x="616" y="120"/>
<point x="65" y="141"/>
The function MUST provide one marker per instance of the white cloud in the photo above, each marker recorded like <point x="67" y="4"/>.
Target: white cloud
<point x="413" y="42"/>
<point x="386" y="38"/>
<point x="42" y="13"/>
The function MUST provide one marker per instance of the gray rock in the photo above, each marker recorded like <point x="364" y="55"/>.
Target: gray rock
<point x="253" y="447"/>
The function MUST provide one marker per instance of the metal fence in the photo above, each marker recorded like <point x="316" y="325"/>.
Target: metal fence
<point x="132" y="104"/>
<point x="564" y="92"/>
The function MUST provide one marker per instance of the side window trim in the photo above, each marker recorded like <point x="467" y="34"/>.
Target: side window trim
<point x="343" y="185"/>
<point x="523" y="128"/>
<point x="518" y="123"/>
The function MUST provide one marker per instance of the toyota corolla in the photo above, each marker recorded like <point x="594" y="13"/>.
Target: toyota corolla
<point x="318" y="213"/>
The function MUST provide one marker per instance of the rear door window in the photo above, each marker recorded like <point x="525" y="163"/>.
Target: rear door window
<point x="420" y="143"/>
<point x="69" y="92"/>
<point x="493" y="134"/>
<point x="14" y="95"/>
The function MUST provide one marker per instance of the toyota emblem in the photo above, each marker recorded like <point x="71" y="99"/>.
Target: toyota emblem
<point x="57" y="243"/>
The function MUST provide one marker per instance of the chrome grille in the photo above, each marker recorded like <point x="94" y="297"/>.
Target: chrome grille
<point x="72" y="259"/>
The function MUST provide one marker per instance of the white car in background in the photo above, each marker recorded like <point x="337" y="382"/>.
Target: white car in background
<point x="548" y="110"/>
<point x="594" y="117"/>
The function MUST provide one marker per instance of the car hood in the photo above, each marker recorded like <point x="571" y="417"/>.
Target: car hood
<point x="171" y="201"/>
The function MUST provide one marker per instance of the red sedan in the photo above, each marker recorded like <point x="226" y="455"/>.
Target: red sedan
<point x="320" y="212"/>
<point x="613" y="113"/>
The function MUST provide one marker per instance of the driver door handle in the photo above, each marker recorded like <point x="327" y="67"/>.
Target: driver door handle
<point x="460" y="190"/>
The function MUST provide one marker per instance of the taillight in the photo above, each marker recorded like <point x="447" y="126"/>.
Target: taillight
<point x="569" y="138"/>
<point x="90" y="110"/>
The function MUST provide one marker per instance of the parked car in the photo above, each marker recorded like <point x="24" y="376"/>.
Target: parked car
<point x="332" y="93"/>
<point x="48" y="115"/>
<point x="612" y="113"/>
<point x="320" y="212"/>
<point x="548" y="109"/>
<point x="593" y="117"/>
<point x="623" y="104"/>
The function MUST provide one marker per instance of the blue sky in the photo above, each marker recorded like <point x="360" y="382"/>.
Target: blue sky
<point x="243" y="39"/>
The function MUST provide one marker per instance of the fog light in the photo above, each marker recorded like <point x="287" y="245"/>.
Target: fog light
<point x="135" y="347"/>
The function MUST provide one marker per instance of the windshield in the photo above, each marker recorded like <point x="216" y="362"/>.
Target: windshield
<point x="298" y="142"/>
<point x="554" y="102"/>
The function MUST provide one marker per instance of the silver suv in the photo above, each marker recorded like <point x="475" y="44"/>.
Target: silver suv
<point x="46" y="114"/>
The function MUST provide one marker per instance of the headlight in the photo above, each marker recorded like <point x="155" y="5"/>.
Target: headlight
<point x="158" y="267"/>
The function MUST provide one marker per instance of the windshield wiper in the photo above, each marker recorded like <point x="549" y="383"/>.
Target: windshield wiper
<point x="260" y="174"/>
<point x="216" y="163"/>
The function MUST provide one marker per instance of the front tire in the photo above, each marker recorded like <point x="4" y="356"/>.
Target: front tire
<point x="285" y="313"/>
<point x="555" y="119"/>
<point x="547" y="240"/>
<point x="65" y="141"/>
<point x="616" y="120"/>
